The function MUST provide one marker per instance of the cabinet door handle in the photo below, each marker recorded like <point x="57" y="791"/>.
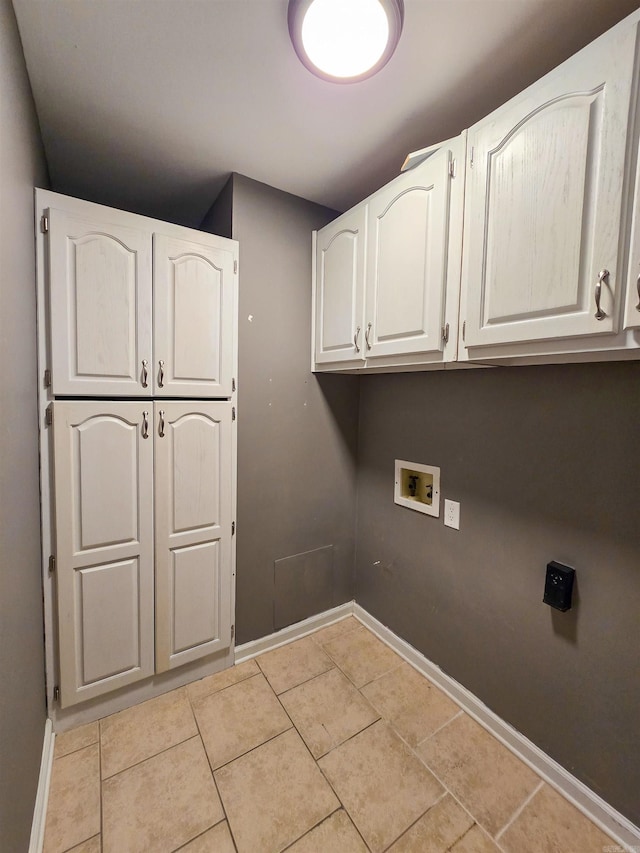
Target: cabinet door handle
<point x="145" y="424"/>
<point x="161" y="424"/>
<point x="638" y="289"/>
<point x="145" y="372"/>
<point x="603" y="275"/>
<point x="161" y="373"/>
<point x="366" y="336"/>
<point x="355" y="339"/>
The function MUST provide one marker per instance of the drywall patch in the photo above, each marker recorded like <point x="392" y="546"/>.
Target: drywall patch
<point x="303" y="586"/>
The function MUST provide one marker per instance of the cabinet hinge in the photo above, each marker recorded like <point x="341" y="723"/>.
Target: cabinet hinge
<point x="233" y="413"/>
<point x="47" y="378"/>
<point x="233" y="384"/>
<point x="48" y="415"/>
<point x="235" y="268"/>
<point x="445" y="333"/>
<point x="233" y="631"/>
<point x="233" y="528"/>
<point x="471" y="157"/>
<point x="44" y="223"/>
<point x="452" y="168"/>
<point x="464" y="329"/>
<point x="52" y="564"/>
<point x="56" y="694"/>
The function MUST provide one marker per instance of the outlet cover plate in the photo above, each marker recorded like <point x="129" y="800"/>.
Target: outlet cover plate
<point x="452" y="514"/>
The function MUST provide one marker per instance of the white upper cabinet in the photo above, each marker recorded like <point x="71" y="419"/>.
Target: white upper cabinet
<point x="339" y="300"/>
<point x="122" y="326"/>
<point x="193" y="514"/>
<point x="100" y="304"/>
<point x="406" y="261"/>
<point x="632" y="308"/>
<point x="544" y="195"/>
<point x="388" y="271"/>
<point x="193" y="318"/>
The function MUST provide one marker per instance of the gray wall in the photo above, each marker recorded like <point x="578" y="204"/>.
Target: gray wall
<point x="22" y="704"/>
<point x="297" y="433"/>
<point x="546" y="464"/>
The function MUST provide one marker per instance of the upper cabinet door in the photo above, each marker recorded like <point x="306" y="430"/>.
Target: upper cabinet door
<point x="407" y="261"/>
<point x="100" y="305"/>
<point x="103" y="472"/>
<point x="193" y="514"/>
<point x="193" y="318"/>
<point x="339" y="301"/>
<point x="632" y="312"/>
<point x="543" y="203"/>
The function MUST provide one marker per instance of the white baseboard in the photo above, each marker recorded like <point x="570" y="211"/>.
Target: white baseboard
<point x="252" y="649"/>
<point x="583" y="798"/>
<point x="42" y="794"/>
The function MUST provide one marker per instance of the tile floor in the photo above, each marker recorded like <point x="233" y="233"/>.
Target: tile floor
<point x="331" y="744"/>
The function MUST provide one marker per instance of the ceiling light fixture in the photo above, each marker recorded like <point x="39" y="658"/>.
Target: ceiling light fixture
<point x="345" y="40"/>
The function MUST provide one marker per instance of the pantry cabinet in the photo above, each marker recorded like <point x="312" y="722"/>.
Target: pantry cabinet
<point x="118" y="467"/>
<point x="387" y="272"/>
<point x="137" y="348"/>
<point x="544" y="226"/>
<point x="135" y="311"/>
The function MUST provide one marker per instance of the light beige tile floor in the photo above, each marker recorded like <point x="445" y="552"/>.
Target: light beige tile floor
<point x="331" y="744"/>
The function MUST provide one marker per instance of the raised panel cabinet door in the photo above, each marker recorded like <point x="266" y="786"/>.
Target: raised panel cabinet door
<point x="193" y="515"/>
<point x="193" y="318"/>
<point x="100" y="305"/>
<point x="103" y="480"/>
<point x="543" y="203"/>
<point x="407" y="261"/>
<point x="340" y="270"/>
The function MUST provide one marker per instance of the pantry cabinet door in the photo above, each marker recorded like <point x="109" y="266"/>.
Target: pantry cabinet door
<point x="193" y="319"/>
<point x="407" y="261"/>
<point x="99" y="304"/>
<point x="543" y="203"/>
<point x="103" y="471"/>
<point x="339" y="297"/>
<point x="193" y="515"/>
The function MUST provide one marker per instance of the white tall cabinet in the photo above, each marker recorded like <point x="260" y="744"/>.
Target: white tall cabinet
<point x="138" y="355"/>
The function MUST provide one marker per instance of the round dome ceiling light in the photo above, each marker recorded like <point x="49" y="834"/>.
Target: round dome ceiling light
<point x="345" y="40"/>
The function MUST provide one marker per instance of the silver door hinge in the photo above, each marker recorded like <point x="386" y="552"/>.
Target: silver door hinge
<point x="233" y="631"/>
<point x="56" y="694"/>
<point x="445" y="333"/>
<point x="48" y="415"/>
<point x="47" y="378"/>
<point x="235" y="268"/>
<point x="233" y="528"/>
<point x="471" y="157"/>
<point x="233" y="413"/>
<point x="44" y="223"/>
<point x="452" y="168"/>
<point x="464" y="329"/>
<point x="233" y="384"/>
<point x="52" y="564"/>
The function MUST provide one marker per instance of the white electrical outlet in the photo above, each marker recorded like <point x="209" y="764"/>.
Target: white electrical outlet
<point x="452" y="514"/>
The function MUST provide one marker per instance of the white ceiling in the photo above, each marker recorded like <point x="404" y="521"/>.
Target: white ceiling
<point x="149" y="105"/>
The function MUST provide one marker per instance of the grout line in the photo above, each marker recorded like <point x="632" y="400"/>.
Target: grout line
<point x="439" y="729"/>
<point x="311" y="828"/>
<point x="221" y="689"/>
<point x="149" y="757"/>
<point x="519" y="810"/>
<point x="411" y="825"/>
<point x="200" y="834"/>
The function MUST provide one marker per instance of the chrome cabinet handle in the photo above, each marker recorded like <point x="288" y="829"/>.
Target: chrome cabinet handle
<point x="366" y="335"/>
<point x="145" y="372"/>
<point x="161" y="424"/>
<point x="161" y="373"/>
<point x="145" y="424"/>
<point x="355" y="339"/>
<point x="603" y="275"/>
<point x="638" y="289"/>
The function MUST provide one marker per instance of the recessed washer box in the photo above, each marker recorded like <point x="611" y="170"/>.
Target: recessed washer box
<point x="418" y="487"/>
